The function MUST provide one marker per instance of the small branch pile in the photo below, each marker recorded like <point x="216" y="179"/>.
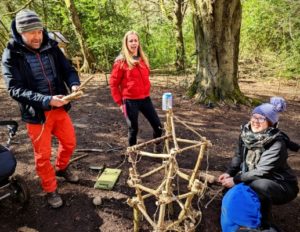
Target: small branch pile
<point x="164" y="194"/>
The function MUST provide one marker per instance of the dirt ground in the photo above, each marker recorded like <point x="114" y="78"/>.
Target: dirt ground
<point x="100" y="125"/>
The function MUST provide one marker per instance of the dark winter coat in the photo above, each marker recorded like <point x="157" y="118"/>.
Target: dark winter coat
<point x="21" y="83"/>
<point x="269" y="158"/>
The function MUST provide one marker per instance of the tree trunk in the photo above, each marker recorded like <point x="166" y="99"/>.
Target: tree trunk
<point x="217" y="37"/>
<point x="143" y="7"/>
<point x="178" y="20"/>
<point x="175" y="12"/>
<point x="88" y="58"/>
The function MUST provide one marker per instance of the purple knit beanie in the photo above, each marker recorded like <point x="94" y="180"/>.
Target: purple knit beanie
<point x="271" y="110"/>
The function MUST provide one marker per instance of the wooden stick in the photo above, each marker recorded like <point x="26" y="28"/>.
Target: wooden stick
<point x="73" y="96"/>
<point x="89" y="150"/>
<point x="133" y="176"/>
<point x="136" y="219"/>
<point x="77" y="158"/>
<point x="156" y="140"/>
<point x="157" y="191"/>
<point x="168" y="122"/>
<point x="173" y="132"/>
<point x="203" y="176"/>
<point x="188" y="148"/>
<point x="170" y="225"/>
<point x="146" y="189"/>
<point x="98" y="150"/>
<point x="168" y="129"/>
<point x="160" y="187"/>
<point x="149" y="154"/>
<point x="167" y="145"/>
<point x="175" y="224"/>
<point x="78" y="93"/>
<point x="85" y="82"/>
<point x="191" y="129"/>
<point x="147" y="196"/>
<point x="183" y="175"/>
<point x="177" y="199"/>
<point x="187" y="141"/>
<point x="162" y="211"/>
<point x="197" y="165"/>
<point x="153" y="171"/>
<point x="188" y="201"/>
<point x="207" y="177"/>
<point x="142" y="210"/>
<point x="170" y="174"/>
<point x="185" y="195"/>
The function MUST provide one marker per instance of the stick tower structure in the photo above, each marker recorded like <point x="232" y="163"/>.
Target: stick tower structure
<point x="164" y="194"/>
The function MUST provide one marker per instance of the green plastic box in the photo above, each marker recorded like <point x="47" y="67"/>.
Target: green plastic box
<point x="107" y="179"/>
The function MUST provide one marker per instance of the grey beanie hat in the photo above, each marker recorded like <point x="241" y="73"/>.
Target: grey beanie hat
<point x="28" y="20"/>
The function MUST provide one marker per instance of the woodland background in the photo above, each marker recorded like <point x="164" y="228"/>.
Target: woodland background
<point x="267" y="42"/>
<point x="269" y="32"/>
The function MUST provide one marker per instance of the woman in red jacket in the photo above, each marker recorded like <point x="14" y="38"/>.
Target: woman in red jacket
<point x="130" y="86"/>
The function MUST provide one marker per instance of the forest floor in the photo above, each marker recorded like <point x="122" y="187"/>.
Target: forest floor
<point x="99" y="125"/>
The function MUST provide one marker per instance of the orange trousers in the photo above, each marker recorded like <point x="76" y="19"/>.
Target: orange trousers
<point x="59" y="124"/>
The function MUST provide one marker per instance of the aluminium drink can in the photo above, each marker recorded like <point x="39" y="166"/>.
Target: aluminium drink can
<point x="167" y="101"/>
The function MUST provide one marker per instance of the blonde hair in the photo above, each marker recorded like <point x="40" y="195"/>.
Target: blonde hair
<point x="126" y="54"/>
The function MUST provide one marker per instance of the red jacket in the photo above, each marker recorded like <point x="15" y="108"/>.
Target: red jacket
<point x="128" y="83"/>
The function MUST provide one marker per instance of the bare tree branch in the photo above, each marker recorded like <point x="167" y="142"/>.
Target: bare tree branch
<point x="4" y="26"/>
<point x="88" y="57"/>
<point x="291" y="30"/>
<point x="16" y="11"/>
<point x="2" y="43"/>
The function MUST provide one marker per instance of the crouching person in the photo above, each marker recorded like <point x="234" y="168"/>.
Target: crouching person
<point x="36" y="74"/>
<point x="261" y="166"/>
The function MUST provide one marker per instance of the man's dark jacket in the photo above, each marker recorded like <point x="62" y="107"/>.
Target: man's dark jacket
<point x="19" y="79"/>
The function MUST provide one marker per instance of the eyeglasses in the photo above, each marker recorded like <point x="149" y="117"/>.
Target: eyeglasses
<point x="258" y="119"/>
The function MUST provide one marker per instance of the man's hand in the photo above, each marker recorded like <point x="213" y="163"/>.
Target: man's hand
<point x="121" y="108"/>
<point x="57" y="101"/>
<point x="74" y="88"/>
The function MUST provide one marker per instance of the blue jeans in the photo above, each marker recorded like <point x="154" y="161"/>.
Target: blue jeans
<point x="133" y="107"/>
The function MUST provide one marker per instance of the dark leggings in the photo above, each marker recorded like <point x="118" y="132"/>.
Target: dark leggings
<point x="132" y="113"/>
<point x="273" y="192"/>
<point x="7" y="164"/>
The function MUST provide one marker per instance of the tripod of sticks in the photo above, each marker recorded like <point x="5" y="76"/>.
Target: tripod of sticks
<point x="188" y="217"/>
